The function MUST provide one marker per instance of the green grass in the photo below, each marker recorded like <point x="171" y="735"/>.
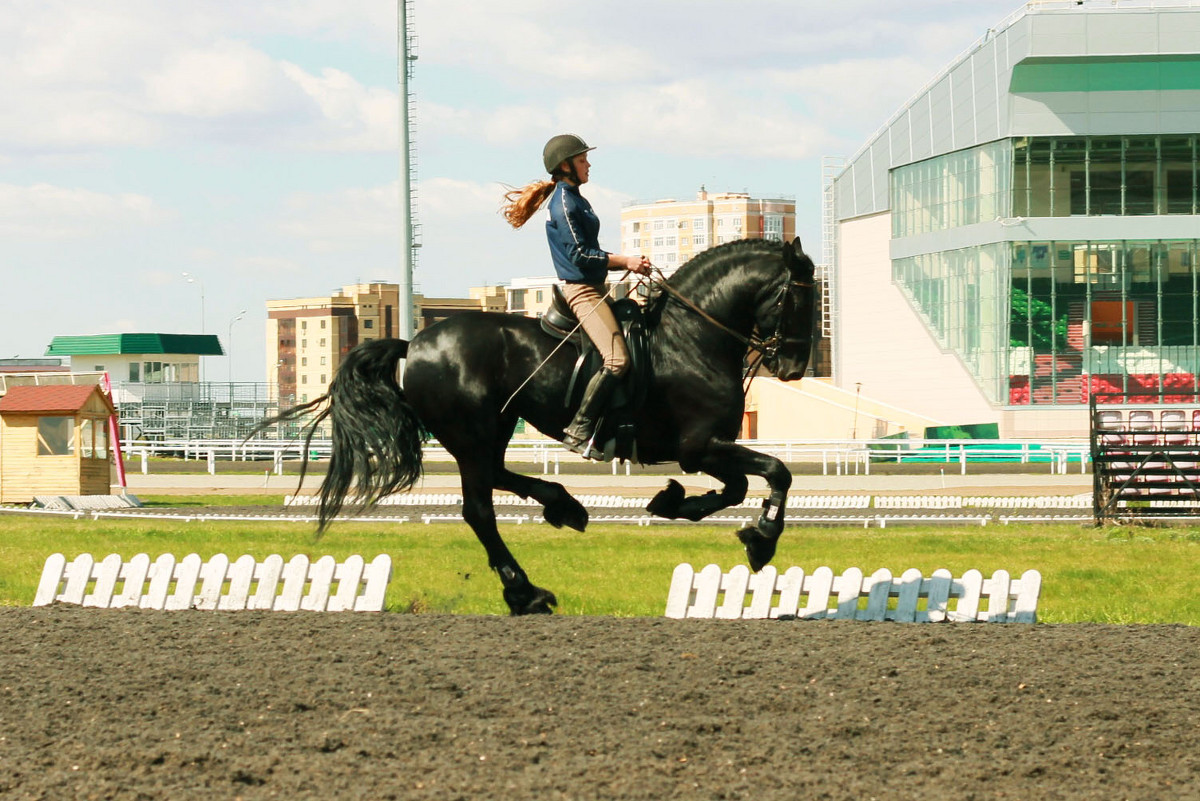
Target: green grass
<point x="1113" y="575"/>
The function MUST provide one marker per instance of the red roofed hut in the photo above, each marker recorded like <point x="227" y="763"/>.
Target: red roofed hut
<point x="54" y="441"/>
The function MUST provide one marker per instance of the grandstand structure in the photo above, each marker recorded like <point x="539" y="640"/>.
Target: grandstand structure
<point x="1023" y="232"/>
<point x="197" y="411"/>
<point x="1145" y="458"/>
<point x="178" y="410"/>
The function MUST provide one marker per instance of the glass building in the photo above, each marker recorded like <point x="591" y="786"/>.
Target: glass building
<point x="1041" y="205"/>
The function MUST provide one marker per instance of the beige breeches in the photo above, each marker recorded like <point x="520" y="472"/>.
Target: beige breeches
<point x="590" y="305"/>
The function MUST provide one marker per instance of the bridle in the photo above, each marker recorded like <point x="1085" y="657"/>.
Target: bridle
<point x="766" y="350"/>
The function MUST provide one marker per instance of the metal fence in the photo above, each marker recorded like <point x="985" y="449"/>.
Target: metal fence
<point x="836" y="457"/>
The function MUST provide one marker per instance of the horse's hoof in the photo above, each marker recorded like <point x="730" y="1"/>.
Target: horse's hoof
<point x="760" y="549"/>
<point x="566" y="512"/>
<point x="530" y="601"/>
<point x="666" y="503"/>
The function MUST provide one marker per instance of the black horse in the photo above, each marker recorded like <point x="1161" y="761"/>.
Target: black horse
<point x="464" y="382"/>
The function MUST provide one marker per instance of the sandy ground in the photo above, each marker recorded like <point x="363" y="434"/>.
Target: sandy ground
<point x="128" y="704"/>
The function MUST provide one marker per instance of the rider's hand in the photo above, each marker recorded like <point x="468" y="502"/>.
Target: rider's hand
<point x="638" y="264"/>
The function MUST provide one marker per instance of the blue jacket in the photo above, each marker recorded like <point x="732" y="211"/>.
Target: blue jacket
<point x="573" y="231"/>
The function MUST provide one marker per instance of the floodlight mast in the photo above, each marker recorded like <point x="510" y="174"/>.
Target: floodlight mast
<point x="407" y="245"/>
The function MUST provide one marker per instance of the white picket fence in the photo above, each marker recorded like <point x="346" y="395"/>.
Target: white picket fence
<point x="191" y="583"/>
<point x="911" y="597"/>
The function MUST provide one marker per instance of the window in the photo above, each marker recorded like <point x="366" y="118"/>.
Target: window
<point x="135" y="372"/>
<point x="93" y="439"/>
<point x="699" y="239"/>
<point x="322" y="343"/>
<point x="322" y="378"/>
<point x="322" y="361"/>
<point x="304" y="361"/>
<point x="85" y="438"/>
<point x="304" y="378"/>
<point x="304" y="325"/>
<point x="368" y="323"/>
<point x="56" y="436"/>
<point x="698" y="224"/>
<point x="539" y="295"/>
<point x="322" y="323"/>
<point x="658" y="225"/>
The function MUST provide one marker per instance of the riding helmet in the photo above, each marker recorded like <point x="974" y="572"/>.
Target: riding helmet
<point x="561" y="148"/>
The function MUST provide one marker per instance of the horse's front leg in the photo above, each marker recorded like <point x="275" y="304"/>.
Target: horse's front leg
<point x="731" y="463"/>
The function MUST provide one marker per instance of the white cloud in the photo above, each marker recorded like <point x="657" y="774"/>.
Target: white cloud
<point x="347" y="220"/>
<point x="131" y="74"/>
<point x="225" y="78"/>
<point x="42" y="211"/>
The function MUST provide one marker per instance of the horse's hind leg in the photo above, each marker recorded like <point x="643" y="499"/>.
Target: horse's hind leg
<point x="559" y="507"/>
<point x="673" y="502"/>
<point x="521" y="595"/>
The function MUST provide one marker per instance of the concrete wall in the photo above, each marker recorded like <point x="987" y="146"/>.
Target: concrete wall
<point x="882" y="343"/>
<point x="815" y="409"/>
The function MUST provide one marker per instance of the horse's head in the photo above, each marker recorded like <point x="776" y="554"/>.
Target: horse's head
<point x="785" y="319"/>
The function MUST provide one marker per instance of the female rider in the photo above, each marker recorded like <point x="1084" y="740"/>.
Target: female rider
<point x="573" y="231"/>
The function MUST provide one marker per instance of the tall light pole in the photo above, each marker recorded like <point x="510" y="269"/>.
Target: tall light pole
<point x="236" y="317"/>
<point x="407" y="245"/>
<point x="857" y="392"/>
<point x="191" y="279"/>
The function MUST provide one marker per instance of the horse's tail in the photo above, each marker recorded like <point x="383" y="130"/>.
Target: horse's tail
<point x="376" y="433"/>
<point x="377" y="436"/>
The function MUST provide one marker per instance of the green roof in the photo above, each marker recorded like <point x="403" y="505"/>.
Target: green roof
<point x="108" y="344"/>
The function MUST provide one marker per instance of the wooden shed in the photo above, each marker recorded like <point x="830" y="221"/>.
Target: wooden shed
<point x="54" y="441"/>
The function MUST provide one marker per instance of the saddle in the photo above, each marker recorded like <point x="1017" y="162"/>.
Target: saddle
<point x="616" y="429"/>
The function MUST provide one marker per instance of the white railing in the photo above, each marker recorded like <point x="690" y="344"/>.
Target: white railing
<point x="836" y="457"/>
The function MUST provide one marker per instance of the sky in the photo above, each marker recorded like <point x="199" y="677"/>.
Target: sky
<point x="254" y="145"/>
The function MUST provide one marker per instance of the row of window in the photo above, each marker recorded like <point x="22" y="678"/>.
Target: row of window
<point x="161" y="372"/>
<point x="56" y="437"/>
<point x="664" y="224"/>
<point x="1048" y="177"/>
<point x="1052" y="313"/>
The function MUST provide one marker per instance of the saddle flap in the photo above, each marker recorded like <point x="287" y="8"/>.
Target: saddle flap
<point x="559" y="321"/>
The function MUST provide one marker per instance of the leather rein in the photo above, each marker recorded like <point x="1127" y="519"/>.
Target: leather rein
<point x="767" y="349"/>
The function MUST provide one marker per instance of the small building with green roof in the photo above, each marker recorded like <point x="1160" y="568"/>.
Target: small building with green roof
<point x="139" y="358"/>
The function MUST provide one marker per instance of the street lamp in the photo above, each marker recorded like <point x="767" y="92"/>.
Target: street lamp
<point x="191" y="279"/>
<point x="236" y="317"/>
<point x="857" y="392"/>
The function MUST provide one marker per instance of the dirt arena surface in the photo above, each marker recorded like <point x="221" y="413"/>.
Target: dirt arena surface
<point x="128" y="704"/>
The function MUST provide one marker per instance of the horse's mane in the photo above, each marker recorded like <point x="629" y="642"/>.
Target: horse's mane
<point x="697" y="268"/>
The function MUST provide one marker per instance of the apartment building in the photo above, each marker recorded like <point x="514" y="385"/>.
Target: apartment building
<point x="672" y="231"/>
<point x="307" y="338"/>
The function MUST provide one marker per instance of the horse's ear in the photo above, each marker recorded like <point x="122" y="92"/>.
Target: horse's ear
<point x="793" y="251"/>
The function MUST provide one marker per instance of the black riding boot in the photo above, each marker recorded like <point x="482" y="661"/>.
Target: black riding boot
<point x="579" y="433"/>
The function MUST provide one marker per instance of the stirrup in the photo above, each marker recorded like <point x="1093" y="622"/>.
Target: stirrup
<point x="587" y="449"/>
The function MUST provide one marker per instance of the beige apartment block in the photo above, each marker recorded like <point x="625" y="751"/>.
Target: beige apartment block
<point x="307" y="338"/>
<point x="672" y="231"/>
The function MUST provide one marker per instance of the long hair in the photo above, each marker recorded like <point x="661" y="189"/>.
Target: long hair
<point x="520" y="204"/>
